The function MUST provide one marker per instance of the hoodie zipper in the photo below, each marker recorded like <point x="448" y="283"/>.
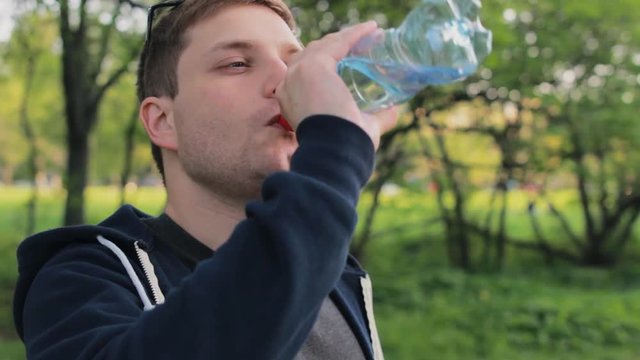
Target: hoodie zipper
<point x="149" y="273"/>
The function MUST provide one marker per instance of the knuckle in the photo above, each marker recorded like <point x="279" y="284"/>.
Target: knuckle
<point x="311" y="46"/>
<point x="332" y="37"/>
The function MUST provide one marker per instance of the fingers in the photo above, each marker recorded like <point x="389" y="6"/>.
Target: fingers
<point x="387" y="119"/>
<point x="312" y="85"/>
<point x="352" y="34"/>
<point x="337" y="45"/>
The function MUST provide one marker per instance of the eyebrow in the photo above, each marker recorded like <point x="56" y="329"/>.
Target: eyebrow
<point x="290" y="48"/>
<point x="231" y="45"/>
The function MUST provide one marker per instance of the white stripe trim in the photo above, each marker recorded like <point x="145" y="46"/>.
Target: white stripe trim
<point x="367" y="292"/>
<point x="132" y="274"/>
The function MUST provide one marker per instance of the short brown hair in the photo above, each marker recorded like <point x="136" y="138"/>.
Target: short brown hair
<point x="157" y="69"/>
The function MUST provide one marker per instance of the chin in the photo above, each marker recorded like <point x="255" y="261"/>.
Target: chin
<point x="284" y="164"/>
<point x="281" y="156"/>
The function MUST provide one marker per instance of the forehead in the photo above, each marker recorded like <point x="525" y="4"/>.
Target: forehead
<point x="240" y="22"/>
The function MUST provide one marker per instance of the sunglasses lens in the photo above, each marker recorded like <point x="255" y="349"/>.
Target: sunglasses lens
<point x="157" y="13"/>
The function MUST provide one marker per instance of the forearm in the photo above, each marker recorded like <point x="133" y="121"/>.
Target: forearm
<point x="257" y="297"/>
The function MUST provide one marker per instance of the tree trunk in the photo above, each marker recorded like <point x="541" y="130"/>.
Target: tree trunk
<point x="31" y="140"/>
<point x="82" y="68"/>
<point x="454" y="221"/>
<point x="27" y="129"/>
<point x="595" y="256"/>
<point x="358" y="247"/>
<point x="128" y="154"/>
<point x="501" y="241"/>
<point x="77" y="164"/>
<point x="488" y="221"/>
<point x="7" y="174"/>
<point x="31" y="55"/>
<point x="458" y="225"/>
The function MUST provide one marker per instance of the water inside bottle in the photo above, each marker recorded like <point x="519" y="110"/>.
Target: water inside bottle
<point x="379" y="85"/>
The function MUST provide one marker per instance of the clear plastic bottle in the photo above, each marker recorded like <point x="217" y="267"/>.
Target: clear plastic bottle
<point x="439" y="42"/>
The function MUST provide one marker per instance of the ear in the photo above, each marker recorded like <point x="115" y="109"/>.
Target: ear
<point x="157" y="118"/>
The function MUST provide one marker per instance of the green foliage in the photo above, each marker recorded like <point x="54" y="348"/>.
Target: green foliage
<point x="34" y="35"/>
<point x="569" y="68"/>
<point x="536" y="314"/>
<point x="12" y="350"/>
<point x="424" y="310"/>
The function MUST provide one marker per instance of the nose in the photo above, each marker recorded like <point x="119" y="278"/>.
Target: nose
<point x="275" y="74"/>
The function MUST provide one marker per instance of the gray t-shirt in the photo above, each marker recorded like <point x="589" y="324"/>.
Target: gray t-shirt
<point x="331" y="337"/>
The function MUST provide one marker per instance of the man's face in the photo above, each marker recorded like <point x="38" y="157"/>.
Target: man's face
<point x="225" y="109"/>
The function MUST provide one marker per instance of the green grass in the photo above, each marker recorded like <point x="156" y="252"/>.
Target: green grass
<point x="560" y="313"/>
<point x="426" y="310"/>
<point x="11" y="350"/>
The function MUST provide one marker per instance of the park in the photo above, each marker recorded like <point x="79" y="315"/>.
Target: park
<point x="501" y="221"/>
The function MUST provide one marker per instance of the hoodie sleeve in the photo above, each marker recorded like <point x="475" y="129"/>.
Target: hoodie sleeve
<point x="258" y="298"/>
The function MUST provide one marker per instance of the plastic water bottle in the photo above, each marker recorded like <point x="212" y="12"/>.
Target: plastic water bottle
<point x="439" y="42"/>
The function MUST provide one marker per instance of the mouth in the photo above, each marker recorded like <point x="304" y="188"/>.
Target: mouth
<point x="274" y="120"/>
<point x="279" y="122"/>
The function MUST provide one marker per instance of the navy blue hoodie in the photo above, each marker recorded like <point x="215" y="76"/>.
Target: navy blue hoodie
<point x="256" y="298"/>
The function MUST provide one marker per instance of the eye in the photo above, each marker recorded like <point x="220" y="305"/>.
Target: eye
<point x="237" y="64"/>
<point x="234" y="66"/>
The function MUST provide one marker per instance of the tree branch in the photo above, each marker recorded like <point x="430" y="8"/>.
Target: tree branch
<point x="105" y="40"/>
<point x="400" y="130"/>
<point x="625" y="234"/>
<point x="563" y="254"/>
<point x="115" y="76"/>
<point x="388" y="166"/>
<point x="394" y="230"/>
<point x="602" y="184"/>
<point x="537" y="230"/>
<point x="565" y="226"/>
<point x="546" y="249"/>
<point x="578" y="158"/>
<point x="134" y="4"/>
<point x="65" y="30"/>
<point x="623" y="204"/>
<point x="82" y="26"/>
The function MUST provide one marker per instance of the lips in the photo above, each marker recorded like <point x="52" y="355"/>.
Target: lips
<point x="284" y="123"/>
<point x="274" y="120"/>
<point x="279" y="120"/>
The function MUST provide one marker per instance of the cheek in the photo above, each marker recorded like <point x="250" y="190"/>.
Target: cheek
<point x="207" y="110"/>
<point x="218" y="117"/>
<point x="214" y="131"/>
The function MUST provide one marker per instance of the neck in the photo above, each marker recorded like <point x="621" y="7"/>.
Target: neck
<point x="207" y="216"/>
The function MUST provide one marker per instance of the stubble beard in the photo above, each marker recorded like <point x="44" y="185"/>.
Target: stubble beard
<point x="230" y="188"/>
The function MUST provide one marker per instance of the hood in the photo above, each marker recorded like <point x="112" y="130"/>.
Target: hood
<point x="124" y="227"/>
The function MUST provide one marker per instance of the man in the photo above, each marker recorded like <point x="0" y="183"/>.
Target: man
<point x="249" y="260"/>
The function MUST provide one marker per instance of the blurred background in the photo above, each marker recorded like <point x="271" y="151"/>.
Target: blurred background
<point x="502" y="220"/>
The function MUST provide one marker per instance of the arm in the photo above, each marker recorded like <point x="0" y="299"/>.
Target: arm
<point x="256" y="299"/>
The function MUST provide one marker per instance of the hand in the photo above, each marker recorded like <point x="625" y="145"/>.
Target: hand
<point x="312" y="85"/>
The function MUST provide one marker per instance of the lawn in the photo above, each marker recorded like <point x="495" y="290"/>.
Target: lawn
<point x="425" y="310"/>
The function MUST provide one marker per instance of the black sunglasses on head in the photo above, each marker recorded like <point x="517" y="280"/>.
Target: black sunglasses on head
<point x="152" y="12"/>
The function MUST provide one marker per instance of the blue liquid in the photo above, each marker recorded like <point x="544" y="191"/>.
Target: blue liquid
<point x="377" y="86"/>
